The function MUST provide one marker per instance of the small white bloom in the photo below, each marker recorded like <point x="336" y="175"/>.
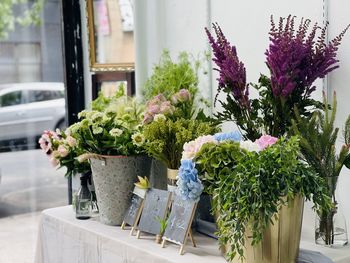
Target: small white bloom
<point x="97" y="130"/>
<point x="82" y="114"/>
<point x="116" y="132"/>
<point x="138" y="139"/>
<point x="250" y="146"/>
<point x="159" y="117"/>
<point x="97" y="116"/>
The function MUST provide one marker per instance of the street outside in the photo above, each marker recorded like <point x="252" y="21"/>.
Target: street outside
<point x="29" y="184"/>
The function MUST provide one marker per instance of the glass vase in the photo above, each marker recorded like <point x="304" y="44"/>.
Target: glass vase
<point x="84" y="200"/>
<point x="330" y="229"/>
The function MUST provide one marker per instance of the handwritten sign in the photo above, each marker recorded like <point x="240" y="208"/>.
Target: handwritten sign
<point x="133" y="213"/>
<point x="179" y="222"/>
<point x="155" y="207"/>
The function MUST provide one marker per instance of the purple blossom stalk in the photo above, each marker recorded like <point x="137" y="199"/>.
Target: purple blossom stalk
<point x="296" y="58"/>
<point x="231" y="69"/>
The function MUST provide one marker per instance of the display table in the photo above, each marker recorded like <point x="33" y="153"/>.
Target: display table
<point x="62" y="238"/>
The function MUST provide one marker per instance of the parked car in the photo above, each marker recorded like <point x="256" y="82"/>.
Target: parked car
<point x="27" y="109"/>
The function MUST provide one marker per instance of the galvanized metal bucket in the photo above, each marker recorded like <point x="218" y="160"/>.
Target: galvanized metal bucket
<point x="114" y="178"/>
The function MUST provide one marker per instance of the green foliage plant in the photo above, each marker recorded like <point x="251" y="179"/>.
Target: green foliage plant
<point x="170" y="77"/>
<point x="318" y="137"/>
<point x="164" y="138"/>
<point x="249" y="187"/>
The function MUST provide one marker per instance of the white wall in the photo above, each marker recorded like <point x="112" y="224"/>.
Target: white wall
<point x="178" y="25"/>
<point x="339" y="80"/>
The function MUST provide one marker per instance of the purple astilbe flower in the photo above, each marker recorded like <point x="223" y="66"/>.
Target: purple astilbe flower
<point x="297" y="58"/>
<point x="231" y="69"/>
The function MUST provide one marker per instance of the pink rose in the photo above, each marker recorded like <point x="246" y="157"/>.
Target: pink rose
<point x="184" y="95"/>
<point x="154" y="109"/>
<point x="63" y="151"/>
<point x="166" y="108"/>
<point x="71" y="141"/>
<point x="265" y="141"/>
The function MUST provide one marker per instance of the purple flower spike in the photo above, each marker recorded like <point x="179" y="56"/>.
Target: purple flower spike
<point x="297" y="58"/>
<point x="231" y="69"/>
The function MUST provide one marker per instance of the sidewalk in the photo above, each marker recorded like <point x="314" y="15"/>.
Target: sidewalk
<point x="18" y="236"/>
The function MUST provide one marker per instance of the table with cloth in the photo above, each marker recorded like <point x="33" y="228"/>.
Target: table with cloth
<point x="62" y="238"/>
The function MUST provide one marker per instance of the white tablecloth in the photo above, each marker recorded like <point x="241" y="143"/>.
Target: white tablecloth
<point x="64" y="239"/>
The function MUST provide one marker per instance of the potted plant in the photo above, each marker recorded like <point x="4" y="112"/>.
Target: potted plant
<point x="173" y="86"/>
<point x="112" y="140"/>
<point x="171" y="123"/>
<point x="253" y="185"/>
<point x="62" y="149"/>
<point x="295" y="59"/>
<point x="162" y="224"/>
<point x="318" y="146"/>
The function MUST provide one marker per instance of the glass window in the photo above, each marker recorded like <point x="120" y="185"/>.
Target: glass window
<point x="43" y="95"/>
<point x="11" y="99"/>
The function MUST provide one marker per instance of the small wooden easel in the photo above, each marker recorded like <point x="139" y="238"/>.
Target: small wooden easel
<point x="188" y="234"/>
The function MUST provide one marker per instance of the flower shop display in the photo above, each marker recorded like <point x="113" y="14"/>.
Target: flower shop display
<point x="258" y="190"/>
<point x="296" y="57"/>
<point x="113" y="142"/>
<point x="318" y="146"/>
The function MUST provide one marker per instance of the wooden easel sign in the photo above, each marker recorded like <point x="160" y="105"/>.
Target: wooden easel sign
<point x="133" y="213"/>
<point x="155" y="208"/>
<point x="180" y="220"/>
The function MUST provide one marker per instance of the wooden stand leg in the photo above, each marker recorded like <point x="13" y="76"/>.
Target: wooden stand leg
<point x="182" y="249"/>
<point x="138" y="234"/>
<point x="132" y="231"/>
<point x="192" y="239"/>
<point x="163" y="243"/>
<point x="123" y="225"/>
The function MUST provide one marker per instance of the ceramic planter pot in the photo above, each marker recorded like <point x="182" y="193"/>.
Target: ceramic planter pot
<point x="281" y="240"/>
<point x="114" y="178"/>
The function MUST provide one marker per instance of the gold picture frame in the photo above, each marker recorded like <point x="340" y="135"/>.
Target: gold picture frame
<point x="111" y="45"/>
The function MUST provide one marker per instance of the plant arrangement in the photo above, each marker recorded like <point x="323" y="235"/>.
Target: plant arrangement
<point x="173" y="118"/>
<point x="318" y="146"/>
<point x="296" y="57"/>
<point x="63" y="149"/>
<point x="115" y="131"/>
<point x="249" y="182"/>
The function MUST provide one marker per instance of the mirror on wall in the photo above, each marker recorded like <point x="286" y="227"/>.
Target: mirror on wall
<point x="111" y="35"/>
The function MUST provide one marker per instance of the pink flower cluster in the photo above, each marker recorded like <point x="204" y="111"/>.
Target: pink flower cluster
<point x="55" y="146"/>
<point x="158" y="105"/>
<point x="182" y="96"/>
<point x="265" y="141"/>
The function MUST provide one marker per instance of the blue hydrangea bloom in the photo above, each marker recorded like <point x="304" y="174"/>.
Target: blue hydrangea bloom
<point x="232" y="136"/>
<point x="189" y="187"/>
